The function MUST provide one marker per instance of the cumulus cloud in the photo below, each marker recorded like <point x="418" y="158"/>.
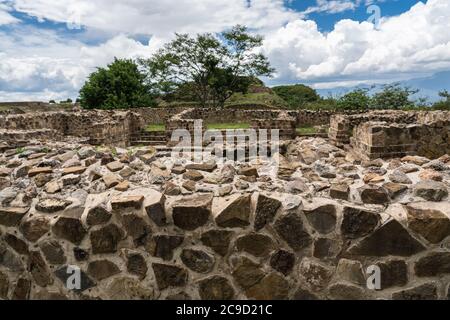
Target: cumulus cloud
<point x="5" y="16"/>
<point x="414" y="42"/>
<point x="42" y="62"/>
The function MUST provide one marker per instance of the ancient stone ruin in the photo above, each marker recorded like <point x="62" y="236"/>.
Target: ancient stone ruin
<point x="92" y="194"/>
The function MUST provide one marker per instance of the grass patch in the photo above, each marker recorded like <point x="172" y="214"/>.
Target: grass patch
<point x="306" y="130"/>
<point x="155" y="127"/>
<point x="224" y="126"/>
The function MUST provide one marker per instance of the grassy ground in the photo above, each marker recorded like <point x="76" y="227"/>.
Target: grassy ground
<point x="155" y="127"/>
<point x="224" y="126"/>
<point x="306" y="130"/>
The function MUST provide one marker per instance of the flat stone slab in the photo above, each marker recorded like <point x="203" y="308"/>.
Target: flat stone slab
<point x="123" y="202"/>
<point x="35" y="171"/>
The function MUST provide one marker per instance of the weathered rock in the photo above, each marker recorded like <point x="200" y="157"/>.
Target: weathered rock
<point x="431" y="175"/>
<point x="178" y="169"/>
<point x="39" y="170"/>
<point x="283" y="261"/>
<point x="137" y="265"/>
<point x="127" y="202"/>
<point x="39" y="269"/>
<point x="394" y="273"/>
<point x="340" y="191"/>
<point x="326" y="248"/>
<point x="53" y="187"/>
<point x="198" y="261"/>
<point x="136" y="228"/>
<point x="122" y="186"/>
<point x="52" y="205"/>
<point x="400" y="177"/>
<point x="218" y="240"/>
<point x="225" y="190"/>
<point x="73" y="170"/>
<point x="171" y="189"/>
<point x="304" y="295"/>
<point x="315" y="274"/>
<point x="22" y="290"/>
<point x="111" y="180"/>
<point x="126" y="288"/>
<point x="394" y="189"/>
<point x="12" y="216"/>
<point x="417" y="160"/>
<point x="233" y="212"/>
<point x="227" y="174"/>
<point x="271" y="287"/>
<point x="350" y="271"/>
<point x="53" y="252"/>
<point x="154" y="206"/>
<point x="41" y="179"/>
<point x="98" y="215"/>
<point x="17" y="244"/>
<point x="106" y="239"/>
<point x="65" y="274"/>
<point x="290" y="228"/>
<point x="102" y="269"/>
<point x="193" y="175"/>
<point x="323" y="218"/>
<point x="431" y="190"/>
<point x="256" y="244"/>
<point x="345" y="291"/>
<point x="169" y="276"/>
<point x="433" y="225"/>
<point x="248" y="172"/>
<point x="371" y="194"/>
<point x="247" y="273"/>
<point x="189" y="185"/>
<point x="390" y="239"/>
<point x="266" y="209"/>
<point x="432" y="265"/>
<point x="162" y="246"/>
<point x="427" y="291"/>
<point x="192" y="212"/>
<point x="4" y="286"/>
<point x="10" y="260"/>
<point x="358" y="223"/>
<point x="70" y="229"/>
<point x="207" y="166"/>
<point x="216" y="288"/>
<point x="34" y="228"/>
<point x="115" y="166"/>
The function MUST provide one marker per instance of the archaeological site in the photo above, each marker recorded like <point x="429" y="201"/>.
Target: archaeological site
<point x="94" y="205"/>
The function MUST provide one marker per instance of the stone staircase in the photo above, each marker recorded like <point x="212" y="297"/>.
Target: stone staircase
<point x="149" y="138"/>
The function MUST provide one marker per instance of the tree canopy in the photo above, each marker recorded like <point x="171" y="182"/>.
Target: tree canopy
<point x="213" y="67"/>
<point x="118" y="86"/>
<point x="298" y="95"/>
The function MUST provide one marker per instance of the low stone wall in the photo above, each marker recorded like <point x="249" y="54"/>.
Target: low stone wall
<point x="102" y="127"/>
<point x="342" y="125"/>
<point x="375" y="140"/>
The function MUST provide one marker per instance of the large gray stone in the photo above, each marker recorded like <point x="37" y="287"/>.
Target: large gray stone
<point x="232" y="212"/>
<point x="290" y="228"/>
<point x="192" y="212"/>
<point x="431" y="190"/>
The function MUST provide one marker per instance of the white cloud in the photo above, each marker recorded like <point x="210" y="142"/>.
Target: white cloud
<point x="51" y="64"/>
<point x="416" y="41"/>
<point x="5" y="16"/>
<point x="161" y="18"/>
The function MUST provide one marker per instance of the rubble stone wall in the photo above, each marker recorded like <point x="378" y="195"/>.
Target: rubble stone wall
<point x="383" y="140"/>
<point x="139" y="245"/>
<point x="101" y="127"/>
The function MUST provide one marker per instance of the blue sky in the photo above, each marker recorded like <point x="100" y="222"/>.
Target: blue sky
<point x="48" y="48"/>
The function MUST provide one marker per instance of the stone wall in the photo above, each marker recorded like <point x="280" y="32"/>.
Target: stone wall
<point x="138" y="245"/>
<point x="101" y="127"/>
<point x="386" y="140"/>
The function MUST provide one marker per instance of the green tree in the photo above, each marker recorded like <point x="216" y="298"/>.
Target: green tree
<point x="214" y="66"/>
<point x="393" y="96"/>
<point x="119" y="86"/>
<point x="297" y="96"/>
<point x="444" y="104"/>
<point x="357" y="99"/>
